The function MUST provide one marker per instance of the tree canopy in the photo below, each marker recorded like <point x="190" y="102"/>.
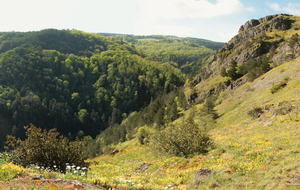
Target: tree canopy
<point x="76" y="81"/>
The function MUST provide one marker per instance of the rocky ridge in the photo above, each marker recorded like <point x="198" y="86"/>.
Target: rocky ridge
<point x="251" y="42"/>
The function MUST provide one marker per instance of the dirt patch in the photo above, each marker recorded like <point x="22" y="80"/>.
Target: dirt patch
<point x="68" y="184"/>
<point x="144" y="167"/>
<point x="295" y="179"/>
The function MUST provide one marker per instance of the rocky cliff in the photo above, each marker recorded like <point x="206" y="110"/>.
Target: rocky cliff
<point x="265" y="36"/>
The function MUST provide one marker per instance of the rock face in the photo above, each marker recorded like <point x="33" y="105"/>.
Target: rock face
<point x="237" y="48"/>
<point x="251" y="42"/>
<point x="234" y="85"/>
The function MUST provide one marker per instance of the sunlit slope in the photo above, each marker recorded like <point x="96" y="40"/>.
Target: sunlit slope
<point x="251" y="153"/>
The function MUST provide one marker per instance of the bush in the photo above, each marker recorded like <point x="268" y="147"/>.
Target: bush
<point x="186" y="139"/>
<point x="255" y="112"/>
<point x="143" y="134"/>
<point x="280" y="85"/>
<point x="223" y="72"/>
<point x="47" y="150"/>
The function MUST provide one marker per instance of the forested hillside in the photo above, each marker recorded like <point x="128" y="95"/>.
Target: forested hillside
<point x="77" y="82"/>
<point x="187" y="54"/>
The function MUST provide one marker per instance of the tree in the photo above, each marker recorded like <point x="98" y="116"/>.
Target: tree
<point x="209" y="107"/>
<point x="47" y="149"/>
<point x="83" y="115"/>
<point x="232" y="71"/>
<point x="223" y="72"/>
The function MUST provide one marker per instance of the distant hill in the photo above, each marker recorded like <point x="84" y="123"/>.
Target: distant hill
<point x="133" y="38"/>
<point x="187" y="54"/>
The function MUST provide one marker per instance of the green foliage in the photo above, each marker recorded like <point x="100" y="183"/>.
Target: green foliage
<point x="159" y="113"/>
<point x="185" y="140"/>
<point x="143" y="134"/>
<point x="209" y="107"/>
<point x="280" y="85"/>
<point x="232" y="71"/>
<point x="255" y="68"/>
<point x="134" y="39"/>
<point x="293" y="43"/>
<point x="47" y="149"/>
<point x="73" y="81"/>
<point x="185" y="55"/>
<point x="255" y="112"/>
<point x="223" y="72"/>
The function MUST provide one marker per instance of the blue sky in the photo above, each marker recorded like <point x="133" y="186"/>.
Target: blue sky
<point x="217" y="20"/>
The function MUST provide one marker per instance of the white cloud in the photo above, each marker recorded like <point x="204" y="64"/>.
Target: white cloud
<point x="179" y="9"/>
<point x="291" y="8"/>
<point x="167" y="16"/>
<point x="34" y="14"/>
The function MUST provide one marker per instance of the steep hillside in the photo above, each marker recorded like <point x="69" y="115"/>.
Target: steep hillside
<point x="256" y="135"/>
<point x="272" y="39"/>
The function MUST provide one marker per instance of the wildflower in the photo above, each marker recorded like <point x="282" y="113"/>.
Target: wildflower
<point x="78" y="168"/>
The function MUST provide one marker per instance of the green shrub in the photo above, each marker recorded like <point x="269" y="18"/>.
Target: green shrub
<point x="280" y="85"/>
<point x="47" y="150"/>
<point x="286" y="78"/>
<point x="223" y="72"/>
<point x="255" y="112"/>
<point x="185" y="139"/>
<point x="143" y="134"/>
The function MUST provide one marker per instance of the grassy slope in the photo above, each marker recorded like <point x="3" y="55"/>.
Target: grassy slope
<point x="252" y="153"/>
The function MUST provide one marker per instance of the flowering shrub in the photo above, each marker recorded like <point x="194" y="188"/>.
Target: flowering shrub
<point x="47" y="150"/>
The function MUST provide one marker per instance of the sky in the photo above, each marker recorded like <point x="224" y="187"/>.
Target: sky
<point x="216" y="20"/>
